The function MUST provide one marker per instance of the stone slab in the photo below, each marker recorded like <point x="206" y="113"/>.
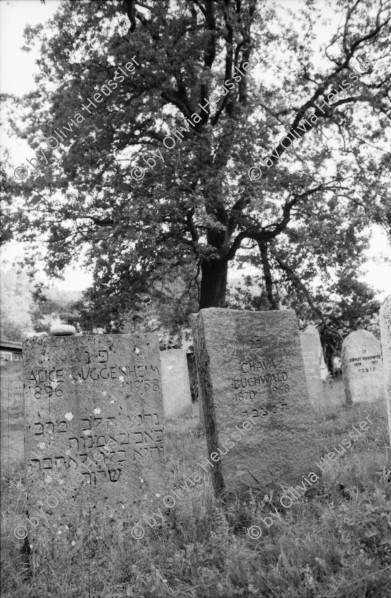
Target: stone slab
<point x="385" y="332"/>
<point x="324" y="372"/>
<point x="251" y="370"/>
<point x="94" y="436"/>
<point x="176" y="383"/>
<point x="312" y="361"/>
<point x="362" y="368"/>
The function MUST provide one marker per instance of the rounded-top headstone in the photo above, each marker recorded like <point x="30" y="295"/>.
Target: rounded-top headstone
<point x="62" y="330"/>
<point x="362" y="367"/>
<point x="385" y="331"/>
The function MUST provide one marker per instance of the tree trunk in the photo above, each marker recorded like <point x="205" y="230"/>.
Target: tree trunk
<point x="213" y="283"/>
<point x="267" y="273"/>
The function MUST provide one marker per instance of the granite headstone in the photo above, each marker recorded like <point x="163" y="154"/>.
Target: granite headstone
<point x="362" y="368"/>
<point x="260" y="425"/>
<point x="94" y="436"/>
<point x="176" y="383"/>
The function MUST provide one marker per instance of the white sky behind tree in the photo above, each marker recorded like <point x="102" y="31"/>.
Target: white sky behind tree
<point x="17" y="69"/>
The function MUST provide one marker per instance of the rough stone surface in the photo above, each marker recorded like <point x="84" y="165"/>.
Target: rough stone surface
<point x="258" y="416"/>
<point x="176" y="383"/>
<point x="310" y="342"/>
<point x="362" y="368"/>
<point x="385" y="331"/>
<point x="94" y="425"/>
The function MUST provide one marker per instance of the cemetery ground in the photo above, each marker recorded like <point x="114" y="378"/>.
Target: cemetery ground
<point x="335" y="541"/>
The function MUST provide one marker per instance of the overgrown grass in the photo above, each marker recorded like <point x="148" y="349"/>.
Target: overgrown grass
<point x="335" y="542"/>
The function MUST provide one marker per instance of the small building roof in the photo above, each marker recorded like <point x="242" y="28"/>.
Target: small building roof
<point x="5" y="344"/>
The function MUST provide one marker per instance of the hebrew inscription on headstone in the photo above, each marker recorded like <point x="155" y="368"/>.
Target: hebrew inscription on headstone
<point x="362" y="368"/>
<point x="251" y="369"/>
<point x="176" y="383"/>
<point x="385" y="331"/>
<point x="94" y="423"/>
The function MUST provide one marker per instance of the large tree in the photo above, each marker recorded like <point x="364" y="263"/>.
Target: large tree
<point x="185" y="166"/>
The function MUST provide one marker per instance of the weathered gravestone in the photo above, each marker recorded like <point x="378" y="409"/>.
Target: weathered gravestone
<point x="362" y="367"/>
<point x="94" y="427"/>
<point x="260" y="425"/>
<point x="312" y="361"/>
<point x="385" y="331"/>
<point x="176" y="383"/>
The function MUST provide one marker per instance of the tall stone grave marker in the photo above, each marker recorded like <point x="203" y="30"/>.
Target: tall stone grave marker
<point x="176" y="383"/>
<point x="260" y="426"/>
<point x="94" y="426"/>
<point x="362" y="368"/>
<point x="312" y="360"/>
<point x="385" y="331"/>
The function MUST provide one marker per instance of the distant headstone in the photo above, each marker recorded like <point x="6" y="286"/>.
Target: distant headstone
<point x="362" y="368"/>
<point x="11" y="383"/>
<point x="176" y="383"/>
<point x="62" y="330"/>
<point x="12" y="413"/>
<point x="94" y="437"/>
<point x="260" y="426"/>
<point x="312" y="361"/>
<point x="385" y="331"/>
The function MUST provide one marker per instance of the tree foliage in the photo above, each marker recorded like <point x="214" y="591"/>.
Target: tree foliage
<point x="227" y="81"/>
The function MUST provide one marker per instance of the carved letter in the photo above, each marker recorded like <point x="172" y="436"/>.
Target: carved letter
<point x="103" y="356"/>
<point x="157" y="432"/>
<point x="36" y="432"/>
<point x="123" y="458"/>
<point x="147" y="437"/>
<point x="122" y="440"/>
<point x="136" y="453"/>
<point x="114" y="474"/>
<point x="48" y="424"/>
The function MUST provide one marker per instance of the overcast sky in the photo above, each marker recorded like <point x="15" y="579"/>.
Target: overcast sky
<point x="16" y="76"/>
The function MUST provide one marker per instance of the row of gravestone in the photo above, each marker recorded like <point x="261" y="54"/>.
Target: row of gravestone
<point x="362" y="364"/>
<point x="177" y="379"/>
<point x="94" y="404"/>
<point x="362" y="367"/>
